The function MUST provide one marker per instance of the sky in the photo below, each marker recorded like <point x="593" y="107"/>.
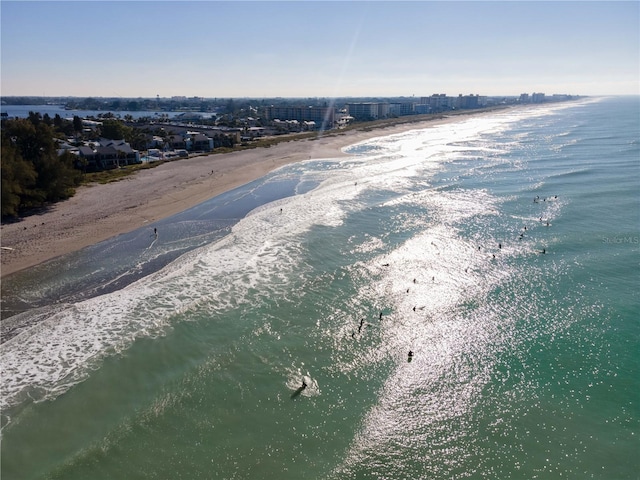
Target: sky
<point x="264" y="49"/>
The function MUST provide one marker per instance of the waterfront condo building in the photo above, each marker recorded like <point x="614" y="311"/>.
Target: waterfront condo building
<point x="324" y="116"/>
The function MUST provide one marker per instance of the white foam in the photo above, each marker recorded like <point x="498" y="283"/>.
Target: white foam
<point x="262" y="250"/>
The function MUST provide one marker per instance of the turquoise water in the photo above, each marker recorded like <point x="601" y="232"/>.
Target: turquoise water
<point x="184" y="356"/>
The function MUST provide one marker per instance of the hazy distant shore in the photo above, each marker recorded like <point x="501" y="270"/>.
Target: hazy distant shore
<point x="99" y="212"/>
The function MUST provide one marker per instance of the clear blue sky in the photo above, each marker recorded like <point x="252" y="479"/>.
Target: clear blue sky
<point x="324" y="48"/>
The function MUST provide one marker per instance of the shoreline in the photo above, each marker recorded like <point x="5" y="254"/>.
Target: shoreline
<point x="99" y="212"/>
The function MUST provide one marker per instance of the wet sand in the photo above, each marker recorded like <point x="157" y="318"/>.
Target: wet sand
<point x="99" y="212"/>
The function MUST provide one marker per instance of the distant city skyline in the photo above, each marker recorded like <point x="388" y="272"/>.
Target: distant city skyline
<point x="270" y="49"/>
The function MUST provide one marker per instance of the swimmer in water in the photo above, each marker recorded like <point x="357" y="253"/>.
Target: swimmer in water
<point x="304" y="384"/>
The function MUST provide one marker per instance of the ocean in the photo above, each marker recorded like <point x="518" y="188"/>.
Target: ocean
<point x="456" y="302"/>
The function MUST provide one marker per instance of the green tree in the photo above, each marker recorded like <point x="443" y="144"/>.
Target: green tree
<point x="56" y="176"/>
<point x="35" y="118"/>
<point x="77" y="124"/>
<point x="18" y="178"/>
<point x="115" y="130"/>
<point x="57" y="121"/>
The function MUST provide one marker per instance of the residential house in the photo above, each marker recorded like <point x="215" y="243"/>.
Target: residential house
<point x="107" y="154"/>
<point x="124" y="153"/>
<point x="196" y="141"/>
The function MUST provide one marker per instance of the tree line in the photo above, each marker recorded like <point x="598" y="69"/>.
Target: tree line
<point x="33" y="174"/>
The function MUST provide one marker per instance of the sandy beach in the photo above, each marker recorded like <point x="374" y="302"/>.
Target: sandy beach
<point x="99" y="212"/>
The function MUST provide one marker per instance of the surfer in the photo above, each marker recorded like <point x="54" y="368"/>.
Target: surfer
<point x="499" y="245"/>
<point x="155" y="232"/>
<point x="410" y="354"/>
<point x="361" y="324"/>
<point x="380" y="315"/>
<point x="299" y="389"/>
